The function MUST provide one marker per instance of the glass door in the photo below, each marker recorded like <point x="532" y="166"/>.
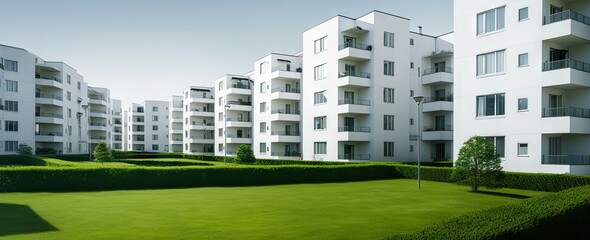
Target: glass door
<point x="348" y="151"/>
<point x="348" y="124"/>
<point x="349" y="41"/>
<point x="348" y="97"/>
<point x="439" y="123"/>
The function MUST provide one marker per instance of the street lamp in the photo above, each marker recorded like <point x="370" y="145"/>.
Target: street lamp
<point x="418" y="100"/>
<point x="85" y="107"/>
<point x="225" y="133"/>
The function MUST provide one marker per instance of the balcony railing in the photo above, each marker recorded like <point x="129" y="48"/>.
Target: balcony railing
<point x="284" y="133"/>
<point x="94" y="97"/>
<point x="239" y="103"/>
<point x="285" y="111"/>
<point x="196" y="95"/>
<point x="202" y="137"/>
<point x="57" y="134"/>
<point x="201" y="110"/>
<point x="354" y="74"/>
<point x="566" y="112"/>
<point x="50" y="115"/>
<point x="566" y="159"/>
<point x="98" y="137"/>
<point x="48" y="96"/>
<point x="566" y="63"/>
<point x="356" y="45"/>
<point x="98" y="124"/>
<point x="354" y="156"/>
<point x="240" y="85"/>
<point x="98" y="111"/>
<point x="238" y="120"/>
<point x="203" y="124"/>
<point x="438" y="128"/>
<point x="240" y="136"/>
<point x="282" y="89"/>
<point x="41" y="76"/>
<point x="285" y="154"/>
<point x="284" y="68"/>
<point x="429" y="71"/>
<point x="448" y="98"/>
<point x="565" y="15"/>
<point x="354" y="102"/>
<point x="439" y="157"/>
<point x="354" y="129"/>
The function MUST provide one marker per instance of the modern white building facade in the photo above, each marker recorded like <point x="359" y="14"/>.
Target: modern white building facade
<point x="199" y="120"/>
<point x="147" y="127"/>
<point x="233" y="113"/>
<point x="175" y="123"/>
<point x="100" y="115"/>
<point x="117" y="125"/>
<point x="524" y="81"/>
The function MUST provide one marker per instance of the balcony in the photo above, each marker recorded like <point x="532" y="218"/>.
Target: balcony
<point x="239" y="122"/>
<point x="48" y="81"/>
<point x="566" y="120"/>
<point x="41" y="117"/>
<point x="356" y="106"/>
<point x="284" y="93"/>
<point x="363" y="157"/>
<point x="98" y="113"/>
<point x="566" y="74"/>
<point x="200" y="113"/>
<point x="566" y="159"/>
<point x="283" y="136"/>
<point x="176" y="141"/>
<point x="97" y="100"/>
<point x="202" y="139"/>
<point x="438" y="133"/>
<point x="362" y="134"/>
<point x="176" y="120"/>
<point x="354" y="79"/>
<point x="434" y="104"/>
<point x="355" y="52"/>
<point x="293" y="154"/>
<point x="45" y="77"/>
<point x="175" y="131"/>
<point x="98" y="126"/>
<point x="239" y="139"/>
<point x="240" y="106"/>
<point x="437" y="76"/>
<point x="98" y="138"/>
<point x="48" y="137"/>
<point x="48" y="99"/>
<point x="434" y="156"/>
<point x="201" y="126"/>
<point x="282" y="72"/>
<point x="566" y="28"/>
<point x="285" y="115"/>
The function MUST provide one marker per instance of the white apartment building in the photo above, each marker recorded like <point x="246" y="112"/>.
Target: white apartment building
<point x="42" y="104"/>
<point x="117" y="127"/>
<point x="233" y="113"/>
<point x="276" y="106"/>
<point x="358" y="78"/>
<point x="175" y="124"/>
<point x="147" y="128"/>
<point x="199" y="120"/>
<point x="524" y="81"/>
<point x="100" y="115"/>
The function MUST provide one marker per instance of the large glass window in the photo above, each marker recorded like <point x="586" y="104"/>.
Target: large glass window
<point x="10" y="65"/>
<point x="523" y="149"/>
<point x="11" y="86"/>
<point x="319" y="122"/>
<point x="388" y="39"/>
<point x="11" y="126"/>
<point x="388" y="95"/>
<point x="388" y="149"/>
<point x="490" y="21"/>
<point x="319" y="97"/>
<point x="523" y="60"/>
<point x="489" y="63"/>
<point x="319" y="148"/>
<point x="388" y="122"/>
<point x="319" y="45"/>
<point x="490" y="105"/>
<point x="523" y="14"/>
<point x="388" y="68"/>
<point x="10" y="146"/>
<point x="498" y="143"/>
<point x="319" y="72"/>
<point x="11" y="106"/>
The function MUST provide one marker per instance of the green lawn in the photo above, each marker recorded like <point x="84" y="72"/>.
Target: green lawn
<point x="356" y="210"/>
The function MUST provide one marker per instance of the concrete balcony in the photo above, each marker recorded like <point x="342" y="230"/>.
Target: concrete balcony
<point x="356" y="106"/>
<point x="200" y="113"/>
<point x="566" y="74"/>
<point x="198" y="99"/>
<point x="243" y="139"/>
<point x="49" y="118"/>
<point x="358" y="134"/>
<point x="138" y="113"/>
<point x="567" y="28"/>
<point x="98" y="113"/>
<point x="435" y="104"/>
<point x="286" y="155"/>
<point x="97" y="100"/>
<point x="240" y="106"/>
<point x="175" y="131"/>
<point x="176" y="141"/>
<point x="286" y="94"/>
<point x="566" y="159"/>
<point x="48" y="81"/>
<point x="355" y="52"/>
<point x="437" y="76"/>
<point x="281" y="72"/>
<point x="239" y="91"/>
<point x="354" y="79"/>
<point x="98" y="139"/>
<point x="363" y="157"/>
<point x="201" y="126"/>
<point x="98" y="126"/>
<point x="48" y="99"/>
<point x="239" y="122"/>
<point x="202" y="139"/>
<point x="566" y="120"/>
<point x="176" y="120"/>
<point x="282" y="136"/>
<point x="49" y="137"/>
<point x="284" y="115"/>
<point x="438" y="133"/>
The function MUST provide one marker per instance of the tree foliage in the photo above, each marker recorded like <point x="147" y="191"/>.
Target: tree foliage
<point x="478" y="164"/>
<point x="245" y="154"/>
<point x="24" y="149"/>
<point x="102" y="153"/>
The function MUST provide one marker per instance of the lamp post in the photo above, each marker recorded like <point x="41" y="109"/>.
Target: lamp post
<point x="85" y="107"/>
<point x="418" y="100"/>
<point x="225" y="133"/>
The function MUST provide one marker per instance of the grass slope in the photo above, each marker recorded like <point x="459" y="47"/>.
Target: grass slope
<point x="356" y="210"/>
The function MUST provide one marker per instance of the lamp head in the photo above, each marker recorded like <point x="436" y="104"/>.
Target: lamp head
<point x="418" y="99"/>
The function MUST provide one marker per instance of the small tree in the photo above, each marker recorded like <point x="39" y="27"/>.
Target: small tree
<point x="478" y="164"/>
<point x="102" y="153"/>
<point x="24" y="149"/>
<point x="245" y="154"/>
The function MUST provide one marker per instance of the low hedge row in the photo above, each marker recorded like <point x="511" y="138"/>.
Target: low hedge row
<point x="21" y="160"/>
<point x="544" y="181"/>
<point x="438" y="174"/>
<point x="68" y="157"/>
<point x="156" y="163"/>
<point x="432" y="164"/>
<point x="34" y="179"/>
<point x="555" y="216"/>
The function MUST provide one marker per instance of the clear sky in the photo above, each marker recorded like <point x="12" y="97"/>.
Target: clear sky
<point x="152" y="49"/>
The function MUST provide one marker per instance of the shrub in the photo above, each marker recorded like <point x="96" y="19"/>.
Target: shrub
<point x="41" y="151"/>
<point x="544" y="181"/>
<point x="478" y="164"/>
<point x="102" y="153"/>
<point x="24" y="149"/>
<point x="27" y="160"/>
<point x="439" y="174"/>
<point x="245" y="154"/>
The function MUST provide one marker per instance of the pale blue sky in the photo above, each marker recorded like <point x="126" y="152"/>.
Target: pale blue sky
<point x="152" y="49"/>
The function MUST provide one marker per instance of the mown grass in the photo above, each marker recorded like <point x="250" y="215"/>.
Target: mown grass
<point x="355" y="210"/>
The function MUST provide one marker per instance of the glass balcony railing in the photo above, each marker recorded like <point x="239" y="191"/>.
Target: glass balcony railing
<point x="566" y="63"/>
<point x="438" y="128"/>
<point x="448" y="98"/>
<point x="57" y="134"/>
<point x="566" y="112"/>
<point x="354" y="74"/>
<point x="354" y="129"/>
<point x="238" y="119"/>
<point x="356" y="45"/>
<point x="285" y="133"/>
<point x="354" y="156"/>
<point x="354" y="102"/>
<point x="565" y="15"/>
<point x="429" y="71"/>
<point x="285" y="111"/>
<point x="41" y="76"/>
<point x="239" y="103"/>
<point x="288" y="90"/>
<point x="48" y="96"/>
<point x="49" y="115"/>
<point x="566" y="159"/>
<point x="285" y="154"/>
<point x="285" y="68"/>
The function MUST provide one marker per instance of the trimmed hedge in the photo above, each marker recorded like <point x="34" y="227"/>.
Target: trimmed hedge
<point x="555" y="216"/>
<point x="69" y="157"/>
<point x="156" y="163"/>
<point x="21" y="160"/>
<point x="438" y="174"/>
<point x="544" y="181"/>
<point x="432" y="164"/>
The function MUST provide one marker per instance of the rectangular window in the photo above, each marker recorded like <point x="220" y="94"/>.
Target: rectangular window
<point x="220" y="101"/>
<point x="411" y="121"/>
<point x="489" y="63"/>
<point x="70" y="130"/>
<point x="498" y="143"/>
<point x="411" y="148"/>
<point x="523" y="149"/>
<point x="319" y="97"/>
<point x="388" y="39"/>
<point x="523" y="60"/>
<point x="523" y="14"/>
<point x="155" y="147"/>
<point x="263" y="68"/>
<point x="10" y="65"/>
<point x="411" y="93"/>
<point x="319" y="122"/>
<point x="411" y="41"/>
<point x="388" y="68"/>
<point x="155" y="127"/>
<point x="319" y="148"/>
<point x="220" y="86"/>
<point x="263" y="148"/>
<point x="69" y="96"/>
<point x="262" y="87"/>
<point x="263" y="107"/>
<point x="319" y="45"/>
<point x="388" y="95"/>
<point x="11" y="86"/>
<point x="220" y="147"/>
<point x="523" y="104"/>
<point x="10" y="146"/>
<point x="69" y="113"/>
<point x="490" y="21"/>
<point x="319" y="72"/>
<point x="154" y="109"/>
<point x="11" y="126"/>
<point x="262" y="127"/>
<point x="220" y="132"/>
<point x="220" y="116"/>
<point x="155" y="118"/>
<point x="154" y="137"/>
<point x="10" y="106"/>
<point x="388" y="122"/>
<point x="388" y="149"/>
<point x="79" y="86"/>
<point x="69" y="79"/>
<point x="412" y="65"/>
<point x="490" y="105"/>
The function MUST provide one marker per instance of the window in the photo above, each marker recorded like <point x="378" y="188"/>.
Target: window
<point x="388" y="149"/>
<point x="388" y="68"/>
<point x="263" y="148"/>
<point x="220" y="101"/>
<point x="262" y="127"/>
<point x="220" y="147"/>
<point x="411" y="148"/>
<point x="319" y="72"/>
<point x="319" y="45"/>
<point x="155" y="127"/>
<point x="523" y="60"/>
<point x="155" y="147"/>
<point x="69" y="79"/>
<point x="523" y="149"/>
<point x="10" y="106"/>
<point x="411" y="41"/>
<point x="69" y="96"/>
<point x="69" y="113"/>
<point x="220" y="116"/>
<point x="319" y="122"/>
<point x="388" y="39"/>
<point x="523" y="14"/>
<point x="220" y="86"/>
<point x="412" y="65"/>
<point x="79" y="86"/>
<point x="70" y="130"/>
<point x="220" y="132"/>
<point x="262" y="87"/>
<point x="388" y="122"/>
<point x="411" y="121"/>
<point x="490" y="105"/>
<point x="411" y="93"/>
<point x="388" y="95"/>
<point x="319" y="148"/>
<point x="11" y="126"/>
<point x="10" y="65"/>
<point x="263" y="68"/>
<point x="154" y="109"/>
<point x="498" y="143"/>
<point x="263" y="107"/>
<point x="155" y="118"/>
<point x="489" y="63"/>
<point x="490" y="21"/>
<point x="319" y="97"/>
<point x="10" y="146"/>
<point x="523" y="104"/>
<point x="11" y="86"/>
<point x="154" y="137"/>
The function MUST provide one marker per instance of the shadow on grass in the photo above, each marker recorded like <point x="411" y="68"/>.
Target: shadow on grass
<point x="501" y="194"/>
<point x="21" y="219"/>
